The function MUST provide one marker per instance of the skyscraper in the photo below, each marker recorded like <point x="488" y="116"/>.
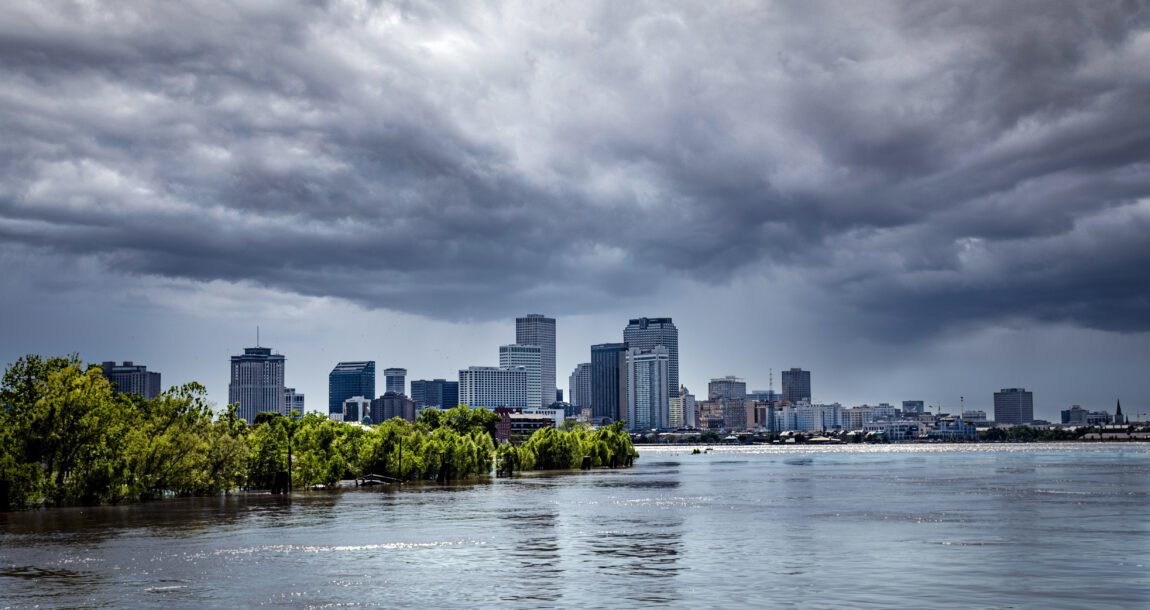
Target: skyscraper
<point x="489" y="386"/>
<point x="648" y="403"/>
<point x="349" y="379"/>
<point x="579" y="386"/>
<point x="537" y="329"/>
<point x="530" y="358"/>
<point x="646" y="333"/>
<point x="726" y="387"/>
<point x="796" y="385"/>
<point x="1013" y="406"/>
<point x="435" y="393"/>
<point x="609" y="381"/>
<point x="395" y="380"/>
<point x="131" y="378"/>
<point x="257" y="382"/>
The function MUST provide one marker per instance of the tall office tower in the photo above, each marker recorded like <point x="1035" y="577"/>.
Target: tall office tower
<point x="537" y="329"/>
<point x="1013" y="406"/>
<point x="647" y="396"/>
<point x="646" y="333"/>
<point x="609" y="381"/>
<point x="349" y="379"/>
<point x="395" y="380"/>
<point x="293" y="401"/>
<point x="489" y="386"/>
<point x="131" y="378"/>
<point x="257" y="382"/>
<point x="796" y="386"/>
<point x="726" y="387"/>
<point x="579" y="386"/>
<point x="450" y="394"/>
<point x="434" y="393"/>
<point x="913" y="406"/>
<point x="530" y="358"/>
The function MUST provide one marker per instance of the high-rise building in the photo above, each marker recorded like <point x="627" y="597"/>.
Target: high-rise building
<point x="293" y="401"/>
<point x="558" y="394"/>
<point x="768" y="396"/>
<point x="349" y="379"/>
<point x="796" y="386"/>
<point x="390" y="406"/>
<point x="646" y="333"/>
<point x="529" y="357"/>
<point x="1013" y="406"/>
<point x="609" y="381"/>
<point x="682" y="410"/>
<point x="726" y="387"/>
<point x="648" y="404"/>
<point x="579" y="386"/>
<point x="257" y="382"/>
<point x="489" y="386"/>
<point x="537" y="329"/>
<point x="435" y="393"/>
<point x="395" y="380"/>
<point x="131" y="378"/>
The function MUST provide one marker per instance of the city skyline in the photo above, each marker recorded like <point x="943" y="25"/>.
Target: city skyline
<point x="915" y="201"/>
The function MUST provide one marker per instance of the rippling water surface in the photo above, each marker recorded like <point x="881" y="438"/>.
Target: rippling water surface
<point x="1040" y="526"/>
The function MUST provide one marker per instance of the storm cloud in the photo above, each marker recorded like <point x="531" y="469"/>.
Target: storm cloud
<point x="925" y="165"/>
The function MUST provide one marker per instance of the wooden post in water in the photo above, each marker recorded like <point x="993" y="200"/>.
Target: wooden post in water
<point x="586" y="463"/>
<point x="5" y="490"/>
<point x="281" y="484"/>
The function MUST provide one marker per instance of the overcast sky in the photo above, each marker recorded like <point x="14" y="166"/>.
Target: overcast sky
<point x="912" y="200"/>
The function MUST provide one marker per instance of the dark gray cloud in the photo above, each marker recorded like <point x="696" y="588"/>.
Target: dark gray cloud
<point x="926" y="165"/>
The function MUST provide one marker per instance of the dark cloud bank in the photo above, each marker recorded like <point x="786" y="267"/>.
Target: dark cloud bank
<point x="924" y="164"/>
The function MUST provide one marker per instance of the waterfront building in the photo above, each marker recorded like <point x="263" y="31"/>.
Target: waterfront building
<point x="395" y="380"/>
<point x="736" y="415"/>
<point x="951" y="430"/>
<point x="796" y="386"/>
<point x="293" y="401"/>
<point x="537" y="329"/>
<point x="356" y="408"/>
<point x="438" y="393"/>
<point x="609" y="381"/>
<point x="392" y="405"/>
<point x="682" y="410"/>
<point x="727" y="387"/>
<point x="647" y="393"/>
<point x="256" y="382"/>
<point x="516" y="423"/>
<point x="647" y="333"/>
<point x="856" y="418"/>
<point x="349" y="379"/>
<point x="1013" y="406"/>
<point x="913" y="406"/>
<point x="579" y="385"/>
<point x="132" y="378"/>
<point x="489" y="386"/>
<point x="529" y="358"/>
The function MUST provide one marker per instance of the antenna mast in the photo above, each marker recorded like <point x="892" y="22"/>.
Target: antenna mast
<point x="257" y="335"/>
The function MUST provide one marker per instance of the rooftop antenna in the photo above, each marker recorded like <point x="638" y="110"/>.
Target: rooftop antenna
<point x="772" y="378"/>
<point x="257" y="335"/>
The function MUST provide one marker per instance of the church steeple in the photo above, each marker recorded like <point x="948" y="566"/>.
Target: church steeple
<point x="1118" y="419"/>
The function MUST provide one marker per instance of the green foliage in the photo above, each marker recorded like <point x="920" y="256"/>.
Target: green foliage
<point x="554" y="449"/>
<point x="1026" y="434"/>
<point x="67" y="438"/>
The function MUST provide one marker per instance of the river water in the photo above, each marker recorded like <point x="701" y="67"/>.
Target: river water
<point x="996" y="526"/>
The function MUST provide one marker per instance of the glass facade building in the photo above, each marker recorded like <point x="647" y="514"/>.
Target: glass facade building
<point x="257" y="382"/>
<point x="609" y="381"/>
<point x="132" y="378"/>
<point x="1013" y="406"/>
<point x="648" y="406"/>
<point x="796" y="386"/>
<point x="349" y="379"/>
<point x="529" y="357"/>
<point x="395" y="380"/>
<point x="435" y="393"/>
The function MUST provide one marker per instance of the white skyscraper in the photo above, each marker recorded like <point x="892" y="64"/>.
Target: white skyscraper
<point x="648" y="400"/>
<point x="489" y="386"/>
<point x="529" y="357"/>
<point x="537" y="329"/>
<point x="579" y="386"/>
